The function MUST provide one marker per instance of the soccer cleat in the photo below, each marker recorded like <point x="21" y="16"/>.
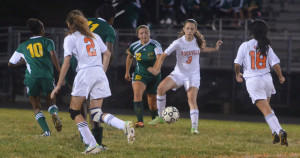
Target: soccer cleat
<point x="194" y="131"/>
<point x="283" y="137"/>
<point x="92" y="150"/>
<point x="129" y="132"/>
<point x="46" y="134"/>
<point x="156" y="121"/>
<point x="103" y="147"/>
<point x="276" y="138"/>
<point x="139" y="124"/>
<point x="57" y="122"/>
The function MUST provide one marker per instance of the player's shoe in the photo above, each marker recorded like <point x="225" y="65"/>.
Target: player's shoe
<point x="283" y="137"/>
<point x="276" y="138"/>
<point x="129" y="132"/>
<point x="139" y="124"/>
<point x="92" y="150"/>
<point x="46" y="134"/>
<point x="194" y="131"/>
<point x="156" y="121"/>
<point x="57" y="122"/>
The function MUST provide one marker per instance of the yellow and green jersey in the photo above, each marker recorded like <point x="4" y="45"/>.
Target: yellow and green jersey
<point x="145" y="55"/>
<point x="103" y="29"/>
<point x="36" y="52"/>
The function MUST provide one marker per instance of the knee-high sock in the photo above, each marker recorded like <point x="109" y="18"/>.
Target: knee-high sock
<point x="98" y="134"/>
<point x="53" y="109"/>
<point x="42" y="121"/>
<point x="86" y="134"/>
<point x="154" y="113"/>
<point x="161" y="104"/>
<point x="194" y="118"/>
<point x="139" y="110"/>
<point x="273" y="123"/>
<point x="114" y="121"/>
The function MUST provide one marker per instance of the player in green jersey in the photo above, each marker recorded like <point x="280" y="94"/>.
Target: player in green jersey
<point x="146" y="51"/>
<point x="39" y="54"/>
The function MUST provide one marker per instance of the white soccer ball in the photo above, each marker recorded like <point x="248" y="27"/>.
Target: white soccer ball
<point x="170" y="114"/>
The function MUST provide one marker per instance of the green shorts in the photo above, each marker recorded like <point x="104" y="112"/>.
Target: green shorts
<point x="36" y="86"/>
<point x="151" y="82"/>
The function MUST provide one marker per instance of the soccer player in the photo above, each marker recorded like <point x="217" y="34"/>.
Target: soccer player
<point x="187" y="70"/>
<point x="90" y="80"/>
<point x="146" y="51"/>
<point x="39" y="54"/>
<point x="256" y="56"/>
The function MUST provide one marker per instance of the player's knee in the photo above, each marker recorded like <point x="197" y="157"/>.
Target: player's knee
<point x="96" y="114"/>
<point x="74" y="113"/>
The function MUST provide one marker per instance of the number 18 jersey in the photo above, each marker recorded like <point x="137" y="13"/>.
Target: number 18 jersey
<point x="254" y="63"/>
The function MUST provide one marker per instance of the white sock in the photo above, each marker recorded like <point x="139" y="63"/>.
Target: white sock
<point x="161" y="104"/>
<point x="114" y="121"/>
<point x="194" y="118"/>
<point x="273" y="123"/>
<point x="86" y="134"/>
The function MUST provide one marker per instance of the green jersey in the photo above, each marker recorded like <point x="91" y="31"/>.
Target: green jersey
<point x="145" y="55"/>
<point x="103" y="29"/>
<point x="36" y="52"/>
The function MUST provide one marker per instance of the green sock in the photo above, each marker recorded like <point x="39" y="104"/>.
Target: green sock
<point x="42" y="121"/>
<point x="53" y="109"/>
<point x="98" y="133"/>
<point x="139" y="110"/>
<point x="153" y="113"/>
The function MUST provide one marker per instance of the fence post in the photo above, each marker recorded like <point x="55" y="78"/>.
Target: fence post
<point x="288" y="70"/>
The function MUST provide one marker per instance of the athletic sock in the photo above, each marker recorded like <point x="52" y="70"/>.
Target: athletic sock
<point x="154" y="113"/>
<point x="42" y="121"/>
<point x="194" y="118"/>
<point x="139" y="110"/>
<point x="161" y="104"/>
<point x="53" y="109"/>
<point x="114" y="121"/>
<point x="98" y="133"/>
<point x="273" y="123"/>
<point x="86" y="134"/>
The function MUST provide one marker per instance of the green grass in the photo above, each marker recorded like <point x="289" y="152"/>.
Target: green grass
<point x="19" y="137"/>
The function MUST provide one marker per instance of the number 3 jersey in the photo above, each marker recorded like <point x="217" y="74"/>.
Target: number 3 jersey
<point x="87" y="51"/>
<point x="36" y="52"/>
<point x="187" y="54"/>
<point x="254" y="63"/>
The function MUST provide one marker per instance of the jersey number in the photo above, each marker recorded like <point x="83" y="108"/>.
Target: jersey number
<point x="89" y="46"/>
<point x="259" y="62"/>
<point x="36" y="50"/>
<point x="138" y="56"/>
<point x="189" y="59"/>
<point x="93" y="26"/>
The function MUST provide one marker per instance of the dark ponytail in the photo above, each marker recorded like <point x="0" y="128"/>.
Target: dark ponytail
<point x="259" y="30"/>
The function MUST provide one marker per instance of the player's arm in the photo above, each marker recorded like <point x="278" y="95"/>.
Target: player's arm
<point x="106" y="58"/>
<point x="110" y="47"/>
<point x="21" y="62"/>
<point x="16" y="59"/>
<point x="55" y="60"/>
<point x="238" y="74"/>
<point x="211" y="49"/>
<point x="128" y="65"/>
<point x="155" y="70"/>
<point x="277" y="69"/>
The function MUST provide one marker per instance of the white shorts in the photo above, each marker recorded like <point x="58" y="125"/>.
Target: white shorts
<point x="260" y="87"/>
<point x="91" y="81"/>
<point x="191" y="80"/>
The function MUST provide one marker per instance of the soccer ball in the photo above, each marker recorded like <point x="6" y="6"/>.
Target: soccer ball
<point x="170" y="115"/>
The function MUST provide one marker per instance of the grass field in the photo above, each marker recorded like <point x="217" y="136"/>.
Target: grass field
<point x="19" y="137"/>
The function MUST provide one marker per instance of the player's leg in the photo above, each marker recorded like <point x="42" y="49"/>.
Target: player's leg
<point x="152" y="105"/>
<point x="151" y="95"/>
<point x="138" y="90"/>
<point x="192" y="93"/>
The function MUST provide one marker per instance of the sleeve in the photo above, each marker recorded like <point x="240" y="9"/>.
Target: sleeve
<point x="240" y="55"/>
<point x="158" y="49"/>
<point x="102" y="46"/>
<point x="16" y="57"/>
<point x="50" y="45"/>
<point x="68" y="46"/>
<point x="172" y="47"/>
<point x="272" y="57"/>
<point x="111" y="36"/>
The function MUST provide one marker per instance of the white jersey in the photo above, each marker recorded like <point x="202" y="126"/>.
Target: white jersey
<point x="88" y="51"/>
<point x="254" y="63"/>
<point x="187" y="54"/>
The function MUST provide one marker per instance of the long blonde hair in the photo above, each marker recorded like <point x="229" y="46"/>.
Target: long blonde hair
<point x="77" y="22"/>
<point x="199" y="37"/>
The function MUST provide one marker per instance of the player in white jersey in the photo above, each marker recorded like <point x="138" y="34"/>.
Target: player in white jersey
<point x="256" y="56"/>
<point x="187" y="70"/>
<point x="90" y="80"/>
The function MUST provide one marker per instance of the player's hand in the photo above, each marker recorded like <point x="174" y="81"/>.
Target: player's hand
<point x="154" y="71"/>
<point x="127" y="77"/>
<point x="218" y="44"/>
<point x="239" y="77"/>
<point x="55" y="91"/>
<point x="281" y="79"/>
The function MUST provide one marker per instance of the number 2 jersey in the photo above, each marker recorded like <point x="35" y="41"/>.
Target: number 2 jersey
<point x="86" y="50"/>
<point x="36" y="52"/>
<point x="254" y="63"/>
<point x="187" y="54"/>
